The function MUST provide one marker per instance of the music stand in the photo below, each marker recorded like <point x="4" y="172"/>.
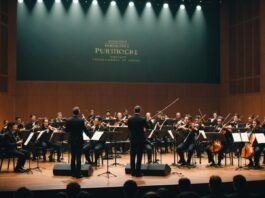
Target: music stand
<point x="32" y="138"/>
<point x="104" y="136"/>
<point x="118" y="136"/>
<point x="57" y="136"/>
<point x="240" y="138"/>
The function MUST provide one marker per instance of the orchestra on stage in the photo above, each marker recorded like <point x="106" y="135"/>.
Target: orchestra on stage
<point x="187" y="137"/>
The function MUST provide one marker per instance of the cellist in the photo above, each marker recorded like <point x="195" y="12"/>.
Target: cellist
<point x="220" y="146"/>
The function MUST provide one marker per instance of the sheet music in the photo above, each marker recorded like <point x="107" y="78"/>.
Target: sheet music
<point x="85" y="137"/>
<point x="236" y="137"/>
<point x="40" y="134"/>
<point x="171" y="134"/>
<point x="151" y="134"/>
<point x="202" y="132"/>
<point x="97" y="135"/>
<point x="28" y="139"/>
<point x="260" y="137"/>
<point x="244" y="137"/>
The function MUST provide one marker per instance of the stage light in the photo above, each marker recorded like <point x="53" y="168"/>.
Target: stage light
<point x="94" y="2"/>
<point x="40" y="1"/>
<point x="57" y="1"/>
<point x="148" y="4"/>
<point x="20" y="1"/>
<point x="131" y="4"/>
<point x="75" y="1"/>
<point x="182" y="6"/>
<point x="165" y="5"/>
<point x="113" y="3"/>
<point x="198" y="7"/>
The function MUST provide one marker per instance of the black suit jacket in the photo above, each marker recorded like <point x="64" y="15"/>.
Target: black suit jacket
<point x="10" y="141"/>
<point x="75" y="127"/>
<point x="136" y="126"/>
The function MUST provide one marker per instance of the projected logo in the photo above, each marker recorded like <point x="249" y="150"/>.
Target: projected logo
<point x="116" y="51"/>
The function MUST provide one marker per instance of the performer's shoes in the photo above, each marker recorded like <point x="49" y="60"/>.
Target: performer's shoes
<point x="51" y="160"/>
<point x="251" y="164"/>
<point x="59" y="160"/>
<point x="212" y="163"/>
<point x="257" y="166"/>
<point x="18" y="170"/>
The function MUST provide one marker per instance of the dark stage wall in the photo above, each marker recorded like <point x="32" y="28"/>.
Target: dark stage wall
<point x="103" y="43"/>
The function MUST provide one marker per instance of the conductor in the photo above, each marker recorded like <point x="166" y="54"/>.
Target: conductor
<point x="137" y="126"/>
<point x="75" y="127"/>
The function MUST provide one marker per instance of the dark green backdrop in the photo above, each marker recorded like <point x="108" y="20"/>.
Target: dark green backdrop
<point x="57" y="41"/>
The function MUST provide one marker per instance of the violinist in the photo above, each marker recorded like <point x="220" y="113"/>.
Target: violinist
<point x="249" y="124"/>
<point x="91" y="115"/>
<point x="19" y="123"/>
<point x="236" y="124"/>
<point x="149" y="120"/>
<point x="44" y="142"/>
<point x="120" y="122"/>
<point x="11" y="146"/>
<point x="218" y="146"/>
<point x="189" y="142"/>
<point x="32" y="125"/>
<point x="256" y="149"/>
<point x="58" y="122"/>
<point x="125" y="115"/>
<point x="213" y="120"/>
<point x="96" y="146"/>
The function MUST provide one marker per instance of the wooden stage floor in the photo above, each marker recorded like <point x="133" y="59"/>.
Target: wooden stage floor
<point x="45" y="180"/>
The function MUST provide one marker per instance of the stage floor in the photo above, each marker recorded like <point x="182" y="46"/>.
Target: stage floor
<point x="45" y="180"/>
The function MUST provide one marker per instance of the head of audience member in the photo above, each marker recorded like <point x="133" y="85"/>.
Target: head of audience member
<point x="84" y="194"/>
<point x="33" y="118"/>
<point x="130" y="189"/>
<point x="76" y="111"/>
<point x="151" y="194"/>
<point x="23" y="192"/>
<point x="215" y="184"/>
<point x="188" y="195"/>
<point x="60" y="195"/>
<point x="137" y="109"/>
<point x="72" y="190"/>
<point x="240" y="183"/>
<point x="163" y="193"/>
<point x="184" y="184"/>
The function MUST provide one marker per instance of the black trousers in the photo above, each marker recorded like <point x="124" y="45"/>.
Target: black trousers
<point x="76" y="152"/>
<point x="54" y="147"/>
<point x="136" y="153"/>
<point x="21" y="155"/>
<point x="187" y="146"/>
<point x="96" y="147"/>
<point x="257" y="153"/>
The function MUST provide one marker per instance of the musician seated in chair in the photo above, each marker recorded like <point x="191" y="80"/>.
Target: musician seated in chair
<point x="256" y="148"/>
<point x="11" y="144"/>
<point x="45" y="142"/>
<point x="219" y="146"/>
<point x="189" y="142"/>
<point x="96" y="146"/>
